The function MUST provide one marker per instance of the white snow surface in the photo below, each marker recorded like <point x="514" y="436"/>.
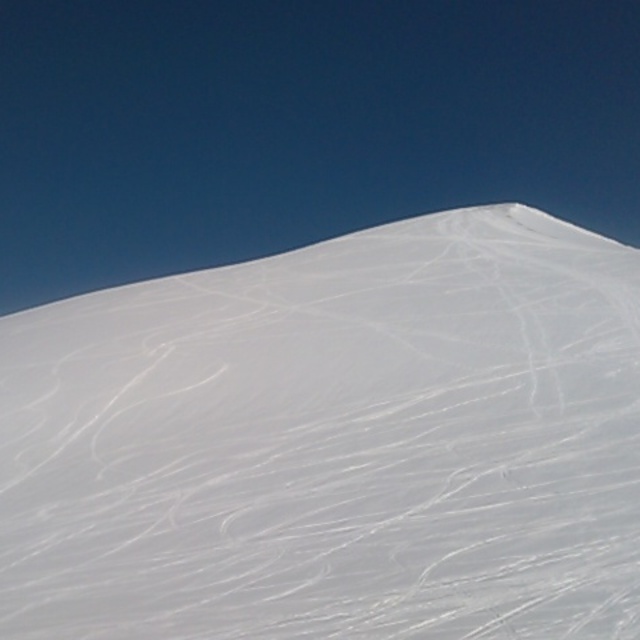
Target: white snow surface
<point x="429" y="429"/>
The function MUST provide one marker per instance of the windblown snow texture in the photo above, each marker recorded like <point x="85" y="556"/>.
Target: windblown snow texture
<point x="429" y="429"/>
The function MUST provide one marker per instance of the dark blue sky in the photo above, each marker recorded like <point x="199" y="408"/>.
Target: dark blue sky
<point x="148" y="137"/>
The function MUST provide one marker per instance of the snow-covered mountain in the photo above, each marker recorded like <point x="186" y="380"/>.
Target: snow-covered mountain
<point x="429" y="429"/>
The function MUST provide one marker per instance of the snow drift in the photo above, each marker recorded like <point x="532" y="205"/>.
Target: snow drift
<point x="424" y="430"/>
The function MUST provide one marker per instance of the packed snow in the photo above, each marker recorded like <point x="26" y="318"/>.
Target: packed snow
<point x="429" y="429"/>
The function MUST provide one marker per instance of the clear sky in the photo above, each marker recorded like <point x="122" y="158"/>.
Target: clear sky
<point x="142" y="138"/>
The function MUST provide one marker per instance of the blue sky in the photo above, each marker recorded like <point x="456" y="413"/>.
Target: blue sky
<point x="142" y="138"/>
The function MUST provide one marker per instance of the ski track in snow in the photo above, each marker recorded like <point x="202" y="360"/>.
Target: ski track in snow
<point x="426" y="430"/>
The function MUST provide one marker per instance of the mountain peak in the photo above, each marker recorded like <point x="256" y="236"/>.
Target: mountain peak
<point x="427" y="427"/>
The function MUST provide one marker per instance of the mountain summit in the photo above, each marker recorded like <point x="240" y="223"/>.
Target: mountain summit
<point x="427" y="429"/>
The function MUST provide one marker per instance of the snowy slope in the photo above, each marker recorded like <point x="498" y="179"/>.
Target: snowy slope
<point x="429" y="429"/>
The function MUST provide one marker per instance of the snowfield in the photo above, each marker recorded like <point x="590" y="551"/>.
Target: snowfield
<point x="429" y="429"/>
